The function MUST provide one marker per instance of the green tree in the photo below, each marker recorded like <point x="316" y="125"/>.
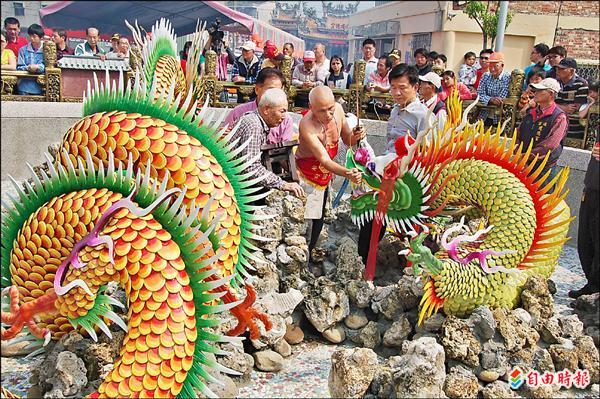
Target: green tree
<point x="486" y="15"/>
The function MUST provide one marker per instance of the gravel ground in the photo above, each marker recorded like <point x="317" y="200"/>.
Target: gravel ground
<point x="306" y="371"/>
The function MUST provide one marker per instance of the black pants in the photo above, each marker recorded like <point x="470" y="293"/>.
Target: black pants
<point x="588" y="236"/>
<point x="364" y="239"/>
<point x="317" y="225"/>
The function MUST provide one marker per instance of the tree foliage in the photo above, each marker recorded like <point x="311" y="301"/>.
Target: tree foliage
<point x="486" y="14"/>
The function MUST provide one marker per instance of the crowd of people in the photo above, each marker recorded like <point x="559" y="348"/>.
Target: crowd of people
<point x="21" y="54"/>
<point x="554" y="100"/>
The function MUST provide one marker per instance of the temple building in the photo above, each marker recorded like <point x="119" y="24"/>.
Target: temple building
<point x="330" y="28"/>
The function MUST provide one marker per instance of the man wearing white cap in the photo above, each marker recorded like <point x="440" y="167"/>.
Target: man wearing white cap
<point x="246" y="66"/>
<point x="305" y="75"/>
<point x="429" y="85"/>
<point x="545" y="126"/>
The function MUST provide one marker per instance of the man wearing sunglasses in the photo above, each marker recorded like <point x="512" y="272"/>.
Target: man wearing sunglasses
<point x="484" y="64"/>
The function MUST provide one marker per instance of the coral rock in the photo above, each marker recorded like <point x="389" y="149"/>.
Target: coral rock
<point x="352" y="371"/>
<point x="461" y="383"/>
<point x="420" y="371"/>
<point x="268" y="360"/>
<point x="460" y="342"/>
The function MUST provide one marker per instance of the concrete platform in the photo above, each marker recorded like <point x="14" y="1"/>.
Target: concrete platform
<point x="28" y="128"/>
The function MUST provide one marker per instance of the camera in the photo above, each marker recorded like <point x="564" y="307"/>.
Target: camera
<point x="216" y="35"/>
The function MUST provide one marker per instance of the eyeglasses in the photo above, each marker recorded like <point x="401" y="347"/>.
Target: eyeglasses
<point x="554" y="56"/>
<point x="484" y="58"/>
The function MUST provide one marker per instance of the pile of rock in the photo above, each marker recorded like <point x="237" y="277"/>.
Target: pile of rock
<point x="472" y="357"/>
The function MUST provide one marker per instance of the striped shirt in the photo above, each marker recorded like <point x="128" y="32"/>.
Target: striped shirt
<point x="575" y="91"/>
<point x="253" y="129"/>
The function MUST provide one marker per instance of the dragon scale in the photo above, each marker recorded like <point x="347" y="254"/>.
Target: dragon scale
<point x="465" y="165"/>
<point x="147" y="193"/>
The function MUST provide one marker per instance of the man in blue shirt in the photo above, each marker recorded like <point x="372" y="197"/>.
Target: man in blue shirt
<point x="493" y="88"/>
<point x="31" y="59"/>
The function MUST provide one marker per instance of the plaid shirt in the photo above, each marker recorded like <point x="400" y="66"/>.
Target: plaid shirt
<point x="490" y="87"/>
<point x="253" y="129"/>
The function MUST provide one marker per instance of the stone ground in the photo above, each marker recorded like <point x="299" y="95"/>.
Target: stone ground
<point x="306" y="371"/>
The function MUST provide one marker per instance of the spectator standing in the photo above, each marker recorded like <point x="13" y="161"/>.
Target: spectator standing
<point x="31" y="59"/>
<point x="555" y="56"/>
<point x="268" y="78"/>
<point x="368" y="50"/>
<point x="467" y="73"/>
<point x="421" y="62"/>
<point x="288" y="49"/>
<point x="409" y="116"/>
<point x="247" y="65"/>
<point x="429" y="85"/>
<point x="59" y="37"/>
<point x="9" y="61"/>
<point x="440" y="61"/>
<point x="588" y="233"/>
<point x="114" y="43"/>
<point x="305" y="75"/>
<point x="493" y="88"/>
<point x="378" y="80"/>
<point x="449" y="84"/>
<point x="527" y="100"/>
<point x="396" y="57"/>
<point x="591" y="100"/>
<point x="431" y="57"/>
<point x="484" y="65"/>
<point x="254" y="128"/>
<point x="321" y="61"/>
<point x="272" y="56"/>
<point x="538" y="59"/>
<point x="14" y="41"/>
<point x="573" y="94"/>
<point x="337" y="78"/>
<point x="122" y="51"/>
<point x="90" y="47"/>
<point x="544" y="127"/>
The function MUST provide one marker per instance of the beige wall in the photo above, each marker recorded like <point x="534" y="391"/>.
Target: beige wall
<point x="455" y="36"/>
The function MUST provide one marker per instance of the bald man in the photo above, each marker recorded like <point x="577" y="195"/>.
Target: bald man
<point x="320" y="131"/>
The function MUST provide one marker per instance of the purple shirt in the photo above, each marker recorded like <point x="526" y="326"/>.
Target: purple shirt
<point x="279" y="134"/>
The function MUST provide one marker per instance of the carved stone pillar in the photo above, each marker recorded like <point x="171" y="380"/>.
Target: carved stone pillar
<point x="53" y="85"/>
<point x="52" y="74"/>
<point x="286" y="70"/>
<point x="509" y="105"/>
<point x="209" y="80"/>
<point x="49" y="54"/>
<point x="357" y="89"/>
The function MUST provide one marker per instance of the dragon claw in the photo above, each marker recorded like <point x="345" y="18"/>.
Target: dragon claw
<point x="246" y="314"/>
<point x="23" y="315"/>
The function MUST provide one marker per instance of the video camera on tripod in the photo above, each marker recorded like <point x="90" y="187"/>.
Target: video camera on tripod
<point x="216" y="35"/>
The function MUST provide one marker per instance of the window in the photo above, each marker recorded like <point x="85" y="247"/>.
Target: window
<point x="420" y="40"/>
<point x="19" y="9"/>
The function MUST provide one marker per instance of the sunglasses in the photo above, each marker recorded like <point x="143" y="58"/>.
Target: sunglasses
<point x="484" y="58"/>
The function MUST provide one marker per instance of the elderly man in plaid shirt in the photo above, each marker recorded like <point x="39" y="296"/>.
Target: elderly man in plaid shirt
<point x="253" y="128"/>
<point x="493" y="88"/>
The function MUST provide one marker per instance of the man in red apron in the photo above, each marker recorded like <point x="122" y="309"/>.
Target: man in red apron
<point x="320" y="131"/>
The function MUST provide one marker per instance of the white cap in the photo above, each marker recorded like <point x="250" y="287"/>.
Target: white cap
<point x="547" y="84"/>
<point x="308" y="56"/>
<point x="249" y="45"/>
<point x="432" y="77"/>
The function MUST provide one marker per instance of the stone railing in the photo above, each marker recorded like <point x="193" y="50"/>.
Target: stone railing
<point x="50" y="80"/>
